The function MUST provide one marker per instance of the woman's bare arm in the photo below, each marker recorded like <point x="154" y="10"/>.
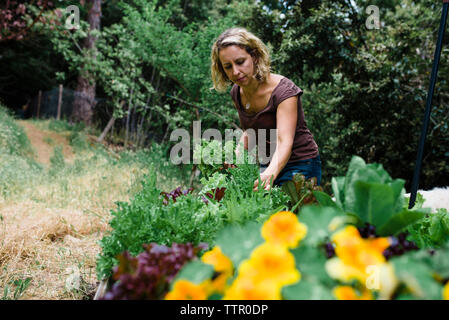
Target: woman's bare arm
<point x="286" y="118"/>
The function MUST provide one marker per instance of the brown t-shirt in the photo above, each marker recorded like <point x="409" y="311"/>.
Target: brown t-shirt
<point x="304" y="146"/>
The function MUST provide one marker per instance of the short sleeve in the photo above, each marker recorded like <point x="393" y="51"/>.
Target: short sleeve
<point x="285" y="90"/>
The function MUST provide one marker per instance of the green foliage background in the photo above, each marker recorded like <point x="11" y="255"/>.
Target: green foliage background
<point x="364" y="90"/>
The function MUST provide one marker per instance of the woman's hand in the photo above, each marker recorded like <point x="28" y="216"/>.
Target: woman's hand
<point x="228" y="165"/>
<point x="265" y="180"/>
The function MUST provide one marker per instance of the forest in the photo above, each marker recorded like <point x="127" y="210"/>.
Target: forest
<point x="146" y="64"/>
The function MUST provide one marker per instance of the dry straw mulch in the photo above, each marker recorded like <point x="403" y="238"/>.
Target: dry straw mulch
<point x="49" y="245"/>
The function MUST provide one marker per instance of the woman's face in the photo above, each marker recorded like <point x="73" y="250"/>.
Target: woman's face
<point x="238" y="64"/>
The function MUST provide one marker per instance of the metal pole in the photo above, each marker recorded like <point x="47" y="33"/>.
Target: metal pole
<point x="425" y="125"/>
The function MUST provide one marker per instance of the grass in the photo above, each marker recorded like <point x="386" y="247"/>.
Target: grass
<point x="52" y="216"/>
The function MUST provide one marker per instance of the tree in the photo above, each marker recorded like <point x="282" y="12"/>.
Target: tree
<point x="84" y="102"/>
<point x="14" y="17"/>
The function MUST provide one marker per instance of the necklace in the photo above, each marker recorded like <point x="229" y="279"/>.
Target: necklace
<point x="248" y="105"/>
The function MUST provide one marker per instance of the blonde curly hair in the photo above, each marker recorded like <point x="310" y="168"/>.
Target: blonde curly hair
<point x="247" y="41"/>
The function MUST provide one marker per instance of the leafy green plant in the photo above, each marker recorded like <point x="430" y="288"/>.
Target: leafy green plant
<point x="148" y="275"/>
<point x="145" y="219"/>
<point x="63" y="125"/>
<point x="57" y="162"/>
<point x="211" y="156"/>
<point x="13" y="139"/>
<point x="432" y="231"/>
<point x="369" y="194"/>
<point x="188" y="219"/>
<point x="240" y="203"/>
<point x="300" y="191"/>
<point x="78" y="140"/>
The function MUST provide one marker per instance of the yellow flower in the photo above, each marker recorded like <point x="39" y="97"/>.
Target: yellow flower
<point x="356" y="253"/>
<point x="244" y="288"/>
<point x="349" y="293"/>
<point x="270" y="261"/>
<point x="216" y="258"/>
<point x="262" y="276"/>
<point x="186" y="290"/>
<point x="222" y="265"/>
<point x="446" y="291"/>
<point x="284" y="228"/>
<point x="337" y="269"/>
<point x="363" y="260"/>
<point x="359" y="252"/>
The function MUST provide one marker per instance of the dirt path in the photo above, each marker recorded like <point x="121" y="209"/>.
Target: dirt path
<point x="44" y="142"/>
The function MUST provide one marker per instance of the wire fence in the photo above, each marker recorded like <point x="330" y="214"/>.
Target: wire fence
<point x="55" y="103"/>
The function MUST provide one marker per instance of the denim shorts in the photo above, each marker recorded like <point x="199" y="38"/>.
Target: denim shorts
<point x="309" y="168"/>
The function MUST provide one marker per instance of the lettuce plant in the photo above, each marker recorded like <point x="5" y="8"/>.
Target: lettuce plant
<point x="148" y="275"/>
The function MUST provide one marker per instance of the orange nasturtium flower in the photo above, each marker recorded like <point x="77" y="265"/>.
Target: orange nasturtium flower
<point x="244" y="288"/>
<point x="349" y="293"/>
<point x="446" y="291"/>
<point x="186" y="290"/>
<point x="271" y="261"/>
<point x="363" y="260"/>
<point x="262" y="276"/>
<point x="222" y="265"/>
<point x="216" y="258"/>
<point x="284" y="228"/>
<point x="354" y="254"/>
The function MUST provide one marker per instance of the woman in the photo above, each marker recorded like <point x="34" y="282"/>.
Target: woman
<point x="265" y="100"/>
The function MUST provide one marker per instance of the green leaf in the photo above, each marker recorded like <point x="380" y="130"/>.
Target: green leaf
<point x="419" y="201"/>
<point x="290" y="189"/>
<point x="215" y="296"/>
<point x="399" y="221"/>
<point x="324" y="199"/>
<point x="373" y="202"/>
<point x="355" y="164"/>
<point x="195" y="271"/>
<point x="237" y="242"/>
<point x="444" y="219"/>
<point x="440" y="261"/>
<point x="338" y="184"/>
<point x="397" y="187"/>
<point x="437" y="229"/>
<point x="417" y="276"/>
<point x="310" y="261"/>
<point x="307" y="290"/>
<point x="365" y="175"/>
<point x="317" y="220"/>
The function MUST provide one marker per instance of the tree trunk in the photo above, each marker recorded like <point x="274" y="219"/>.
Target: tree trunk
<point x="110" y="125"/>
<point x="130" y="109"/>
<point x="84" y="102"/>
<point x="58" y="115"/>
<point x="106" y="130"/>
